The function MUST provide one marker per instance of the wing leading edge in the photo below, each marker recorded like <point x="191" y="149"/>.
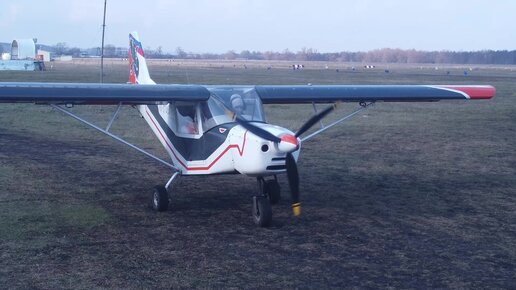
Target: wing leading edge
<point x="371" y="93"/>
<point x="81" y="93"/>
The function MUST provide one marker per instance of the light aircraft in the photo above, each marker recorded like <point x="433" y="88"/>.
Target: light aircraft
<point x="222" y="129"/>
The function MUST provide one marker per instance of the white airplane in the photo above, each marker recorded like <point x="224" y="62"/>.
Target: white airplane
<point x="222" y="129"/>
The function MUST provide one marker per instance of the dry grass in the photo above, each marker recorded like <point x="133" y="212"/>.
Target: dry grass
<point x="404" y="196"/>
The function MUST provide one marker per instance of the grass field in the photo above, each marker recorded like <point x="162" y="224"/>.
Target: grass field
<point x="406" y="195"/>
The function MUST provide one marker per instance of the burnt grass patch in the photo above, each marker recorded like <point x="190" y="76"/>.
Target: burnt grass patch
<point x="407" y="196"/>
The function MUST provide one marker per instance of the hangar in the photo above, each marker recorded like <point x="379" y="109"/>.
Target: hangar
<point x="23" y="49"/>
<point x="23" y="56"/>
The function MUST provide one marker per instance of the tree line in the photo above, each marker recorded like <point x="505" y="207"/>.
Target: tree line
<point x="384" y="55"/>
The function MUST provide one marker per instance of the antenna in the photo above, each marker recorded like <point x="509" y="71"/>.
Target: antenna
<point x="102" y="49"/>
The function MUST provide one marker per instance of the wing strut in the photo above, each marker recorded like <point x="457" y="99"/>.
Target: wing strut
<point x="363" y="106"/>
<point x="315" y="113"/>
<point x="113" y="136"/>
<point x="114" y="116"/>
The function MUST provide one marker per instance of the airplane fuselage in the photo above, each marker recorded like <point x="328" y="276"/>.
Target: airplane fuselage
<point x="223" y="149"/>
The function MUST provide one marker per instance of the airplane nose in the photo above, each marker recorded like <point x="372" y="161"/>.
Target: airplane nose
<point x="288" y="143"/>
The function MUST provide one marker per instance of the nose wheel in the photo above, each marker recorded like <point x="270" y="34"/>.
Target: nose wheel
<point x="269" y="192"/>
<point x="262" y="211"/>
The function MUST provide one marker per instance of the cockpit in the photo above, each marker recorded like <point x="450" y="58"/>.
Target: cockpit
<point x="192" y="119"/>
<point x="243" y="101"/>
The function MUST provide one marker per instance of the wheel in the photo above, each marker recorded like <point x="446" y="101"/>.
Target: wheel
<point x="262" y="212"/>
<point x="160" y="198"/>
<point x="273" y="191"/>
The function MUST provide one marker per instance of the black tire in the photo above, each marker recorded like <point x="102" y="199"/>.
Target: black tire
<point x="160" y="198"/>
<point x="262" y="212"/>
<point x="273" y="191"/>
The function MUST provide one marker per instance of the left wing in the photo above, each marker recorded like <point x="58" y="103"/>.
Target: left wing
<point x="371" y="93"/>
<point x="99" y="94"/>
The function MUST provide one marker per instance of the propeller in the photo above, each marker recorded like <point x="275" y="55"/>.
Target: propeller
<point x="262" y="133"/>
<point x="293" y="182"/>
<point x="316" y="118"/>
<point x="290" y="161"/>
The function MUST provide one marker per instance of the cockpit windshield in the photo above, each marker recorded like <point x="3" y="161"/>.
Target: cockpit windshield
<point x="244" y="101"/>
<point x="214" y="113"/>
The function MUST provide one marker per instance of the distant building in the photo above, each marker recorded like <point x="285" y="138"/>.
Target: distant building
<point x="19" y="65"/>
<point x="23" y="49"/>
<point x="22" y="57"/>
<point x="43" y="55"/>
<point x="65" y="58"/>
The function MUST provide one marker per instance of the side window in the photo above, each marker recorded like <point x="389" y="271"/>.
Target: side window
<point x="186" y="116"/>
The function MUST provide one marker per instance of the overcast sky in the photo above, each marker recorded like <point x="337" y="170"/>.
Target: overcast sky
<point x="222" y="25"/>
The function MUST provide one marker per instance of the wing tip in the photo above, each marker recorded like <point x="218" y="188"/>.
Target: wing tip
<point x="482" y="92"/>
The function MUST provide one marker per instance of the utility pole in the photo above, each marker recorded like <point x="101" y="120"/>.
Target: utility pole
<point x="102" y="49"/>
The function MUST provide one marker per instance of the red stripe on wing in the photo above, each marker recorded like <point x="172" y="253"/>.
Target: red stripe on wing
<point x="475" y="92"/>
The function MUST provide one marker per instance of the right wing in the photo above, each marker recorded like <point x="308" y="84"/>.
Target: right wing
<point x="99" y="94"/>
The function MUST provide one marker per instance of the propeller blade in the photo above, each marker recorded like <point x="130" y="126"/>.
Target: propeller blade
<point x="314" y="120"/>
<point x="293" y="181"/>
<point x="258" y="131"/>
<point x="254" y="129"/>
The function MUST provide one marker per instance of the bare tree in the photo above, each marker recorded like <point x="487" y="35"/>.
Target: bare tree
<point x="159" y="52"/>
<point x="60" y="48"/>
<point x="181" y="53"/>
<point x="109" y="50"/>
<point x="230" y="55"/>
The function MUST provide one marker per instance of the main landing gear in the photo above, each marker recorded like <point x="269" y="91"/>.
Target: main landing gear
<point x="268" y="193"/>
<point x="160" y="198"/>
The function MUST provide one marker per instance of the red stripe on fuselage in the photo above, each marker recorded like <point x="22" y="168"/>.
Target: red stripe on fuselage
<point x="240" y="151"/>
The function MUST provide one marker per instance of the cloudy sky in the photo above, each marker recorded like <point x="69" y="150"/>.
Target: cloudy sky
<point x="222" y="25"/>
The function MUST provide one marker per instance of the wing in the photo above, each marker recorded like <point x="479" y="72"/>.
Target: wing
<point x="81" y="93"/>
<point x="75" y="93"/>
<point x="370" y="93"/>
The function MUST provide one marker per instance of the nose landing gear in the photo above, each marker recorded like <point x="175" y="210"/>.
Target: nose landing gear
<point x="269" y="192"/>
<point x="262" y="212"/>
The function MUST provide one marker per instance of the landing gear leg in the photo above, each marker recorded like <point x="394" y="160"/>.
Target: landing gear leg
<point x="262" y="211"/>
<point x="270" y="188"/>
<point x="160" y="196"/>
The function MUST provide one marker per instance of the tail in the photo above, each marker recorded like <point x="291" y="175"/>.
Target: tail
<point x="138" y="71"/>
